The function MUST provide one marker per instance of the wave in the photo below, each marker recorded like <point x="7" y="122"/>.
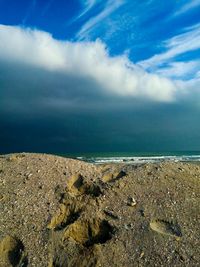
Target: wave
<point x="140" y="160"/>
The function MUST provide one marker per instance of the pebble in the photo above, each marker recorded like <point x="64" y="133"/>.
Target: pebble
<point x="126" y="227"/>
<point x="142" y="255"/>
<point x="132" y="202"/>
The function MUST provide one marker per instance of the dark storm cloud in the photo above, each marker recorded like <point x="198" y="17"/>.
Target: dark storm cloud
<point x="51" y="107"/>
<point x="45" y="111"/>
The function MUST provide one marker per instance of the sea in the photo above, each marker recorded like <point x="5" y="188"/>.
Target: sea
<point x="137" y="157"/>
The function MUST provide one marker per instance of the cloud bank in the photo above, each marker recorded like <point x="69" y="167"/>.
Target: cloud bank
<point x="61" y="96"/>
<point x="87" y="60"/>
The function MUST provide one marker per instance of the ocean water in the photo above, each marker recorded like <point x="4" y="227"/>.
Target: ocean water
<point x="138" y="158"/>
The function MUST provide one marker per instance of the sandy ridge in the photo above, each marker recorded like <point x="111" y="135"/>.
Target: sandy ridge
<point x="62" y="212"/>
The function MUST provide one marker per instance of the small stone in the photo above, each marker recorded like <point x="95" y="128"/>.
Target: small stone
<point x="131" y="202"/>
<point x="130" y="225"/>
<point x="142" y="255"/>
<point x="126" y="227"/>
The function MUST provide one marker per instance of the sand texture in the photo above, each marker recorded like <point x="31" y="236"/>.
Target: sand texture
<point x="59" y="212"/>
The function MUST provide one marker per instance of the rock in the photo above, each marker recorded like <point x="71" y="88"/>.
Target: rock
<point x="131" y="202"/>
<point x="166" y="228"/>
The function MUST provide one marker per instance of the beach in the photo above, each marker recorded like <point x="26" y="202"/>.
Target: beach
<point x="60" y="212"/>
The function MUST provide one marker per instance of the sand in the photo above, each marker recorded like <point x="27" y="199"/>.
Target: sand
<point x="59" y="212"/>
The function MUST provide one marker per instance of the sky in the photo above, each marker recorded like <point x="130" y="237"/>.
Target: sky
<point x="79" y="76"/>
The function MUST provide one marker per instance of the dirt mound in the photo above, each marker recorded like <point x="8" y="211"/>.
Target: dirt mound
<point x="59" y="212"/>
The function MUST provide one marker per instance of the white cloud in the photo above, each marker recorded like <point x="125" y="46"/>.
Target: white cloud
<point x="182" y="43"/>
<point x="88" y="5"/>
<point x="110" y="6"/>
<point x="188" y="6"/>
<point x="179" y="70"/>
<point x="30" y="10"/>
<point x="91" y="60"/>
<point x="47" y="6"/>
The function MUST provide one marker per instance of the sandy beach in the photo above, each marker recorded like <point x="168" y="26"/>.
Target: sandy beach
<point x="59" y="212"/>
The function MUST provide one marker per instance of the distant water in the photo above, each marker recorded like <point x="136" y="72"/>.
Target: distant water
<point x="138" y="158"/>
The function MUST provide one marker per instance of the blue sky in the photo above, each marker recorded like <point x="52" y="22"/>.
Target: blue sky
<point x="90" y="60"/>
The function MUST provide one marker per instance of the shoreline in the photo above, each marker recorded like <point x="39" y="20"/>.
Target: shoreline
<point x="134" y="159"/>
